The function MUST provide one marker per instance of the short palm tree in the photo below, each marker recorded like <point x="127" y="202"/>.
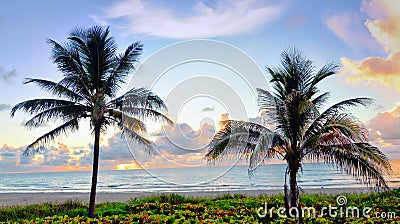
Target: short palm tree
<point x="92" y="76"/>
<point x="295" y="130"/>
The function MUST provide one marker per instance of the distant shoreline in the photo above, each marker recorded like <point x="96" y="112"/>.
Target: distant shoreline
<point x="10" y="199"/>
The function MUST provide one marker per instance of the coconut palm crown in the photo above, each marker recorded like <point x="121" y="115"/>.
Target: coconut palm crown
<point x="93" y="73"/>
<point x="295" y="129"/>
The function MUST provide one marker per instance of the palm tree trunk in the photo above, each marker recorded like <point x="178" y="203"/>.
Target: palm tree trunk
<point x="95" y="170"/>
<point x="286" y="193"/>
<point x="294" y="191"/>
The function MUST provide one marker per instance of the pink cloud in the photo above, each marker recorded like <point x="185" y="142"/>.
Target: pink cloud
<point x="386" y="125"/>
<point x="384" y="26"/>
<point x="374" y="70"/>
<point x="351" y="30"/>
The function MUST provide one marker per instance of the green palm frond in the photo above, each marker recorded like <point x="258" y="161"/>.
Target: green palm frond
<point x="100" y="58"/>
<point x="299" y="111"/>
<point x="79" y="85"/>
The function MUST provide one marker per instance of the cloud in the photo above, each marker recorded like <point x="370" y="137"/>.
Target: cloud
<point x="224" y="18"/>
<point x="7" y="76"/>
<point x="385" y="125"/>
<point x="351" y="30"/>
<point x="53" y="158"/>
<point x="182" y="139"/>
<point x="4" y="106"/>
<point x="374" y="70"/>
<point x="391" y="148"/>
<point x="177" y="145"/>
<point x="384" y="131"/>
<point x="385" y="28"/>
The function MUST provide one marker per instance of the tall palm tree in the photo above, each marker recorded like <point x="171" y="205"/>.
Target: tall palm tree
<point x="92" y="76"/>
<point x="295" y="130"/>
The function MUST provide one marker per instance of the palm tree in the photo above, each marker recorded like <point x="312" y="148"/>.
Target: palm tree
<point x="92" y="76"/>
<point x="295" y="130"/>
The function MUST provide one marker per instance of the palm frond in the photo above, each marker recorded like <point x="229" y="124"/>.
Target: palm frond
<point x="100" y="59"/>
<point x="38" y="105"/>
<point x="124" y="120"/>
<point x="361" y="101"/>
<point x="321" y="99"/>
<point x="69" y="126"/>
<point x="360" y="160"/>
<point x="138" y="98"/>
<point x="335" y="128"/>
<point x="326" y="71"/>
<point x="268" y="105"/>
<point x="134" y="138"/>
<point x="147" y="114"/>
<point x="79" y="85"/>
<point x="69" y="63"/>
<point x="63" y="113"/>
<point x="269" y="145"/>
<point x="55" y="89"/>
<point x="124" y="64"/>
<point x="67" y="60"/>
<point x="236" y="139"/>
<point x="332" y="115"/>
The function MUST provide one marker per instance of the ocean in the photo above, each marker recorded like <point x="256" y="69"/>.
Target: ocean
<point x="210" y="178"/>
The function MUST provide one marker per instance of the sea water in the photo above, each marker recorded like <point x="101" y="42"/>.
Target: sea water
<point x="208" y="178"/>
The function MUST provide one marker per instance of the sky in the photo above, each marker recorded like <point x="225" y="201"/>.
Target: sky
<point x="361" y="35"/>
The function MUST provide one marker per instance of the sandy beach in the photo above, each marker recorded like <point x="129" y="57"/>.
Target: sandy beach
<point x="9" y="199"/>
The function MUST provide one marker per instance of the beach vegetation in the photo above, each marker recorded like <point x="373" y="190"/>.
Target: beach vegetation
<point x="224" y="209"/>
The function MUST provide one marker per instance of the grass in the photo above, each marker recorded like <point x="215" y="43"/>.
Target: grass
<point x="173" y="208"/>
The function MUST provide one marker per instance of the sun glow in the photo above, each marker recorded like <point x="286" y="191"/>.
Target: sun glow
<point x="128" y="166"/>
